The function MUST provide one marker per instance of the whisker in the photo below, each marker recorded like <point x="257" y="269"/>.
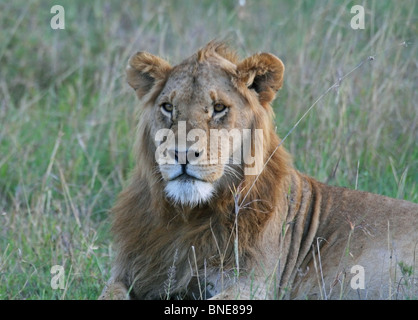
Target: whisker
<point x="232" y="171"/>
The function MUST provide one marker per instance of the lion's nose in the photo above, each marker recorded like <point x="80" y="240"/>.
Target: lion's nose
<point x="187" y="156"/>
<point x="181" y="157"/>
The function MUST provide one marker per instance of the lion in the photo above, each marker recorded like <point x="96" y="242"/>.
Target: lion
<point x="189" y="228"/>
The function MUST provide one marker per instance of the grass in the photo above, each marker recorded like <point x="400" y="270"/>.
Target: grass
<point x="67" y="125"/>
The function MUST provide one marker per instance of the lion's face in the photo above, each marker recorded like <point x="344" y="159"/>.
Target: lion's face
<point x="198" y="106"/>
<point x="203" y="115"/>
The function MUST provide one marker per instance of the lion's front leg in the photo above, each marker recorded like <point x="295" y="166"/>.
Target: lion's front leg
<point x="114" y="290"/>
<point x="231" y="294"/>
<point x="243" y="291"/>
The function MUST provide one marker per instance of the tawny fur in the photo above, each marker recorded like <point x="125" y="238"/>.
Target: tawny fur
<point x="297" y="237"/>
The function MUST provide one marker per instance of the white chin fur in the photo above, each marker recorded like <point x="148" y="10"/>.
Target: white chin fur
<point x="189" y="192"/>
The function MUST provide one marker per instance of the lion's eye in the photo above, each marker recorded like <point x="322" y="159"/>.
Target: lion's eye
<point x="219" y="107"/>
<point x="168" y="107"/>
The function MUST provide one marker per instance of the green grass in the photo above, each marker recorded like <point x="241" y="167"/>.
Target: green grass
<point x="67" y="125"/>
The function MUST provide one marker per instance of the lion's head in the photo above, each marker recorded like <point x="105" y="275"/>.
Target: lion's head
<point x="206" y="122"/>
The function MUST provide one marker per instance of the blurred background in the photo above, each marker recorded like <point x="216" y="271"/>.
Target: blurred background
<point x="67" y="119"/>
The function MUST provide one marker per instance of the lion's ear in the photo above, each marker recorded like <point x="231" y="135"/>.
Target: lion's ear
<point x="144" y="71"/>
<point x="262" y="72"/>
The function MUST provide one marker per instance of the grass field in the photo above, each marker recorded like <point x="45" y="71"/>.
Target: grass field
<point x="67" y="125"/>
